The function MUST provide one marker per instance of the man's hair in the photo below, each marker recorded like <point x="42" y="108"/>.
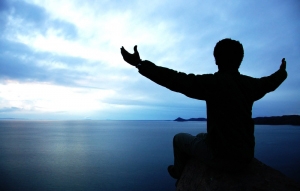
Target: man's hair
<point x="228" y="54"/>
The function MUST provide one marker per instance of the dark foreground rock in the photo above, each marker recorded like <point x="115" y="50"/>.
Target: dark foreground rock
<point x="257" y="177"/>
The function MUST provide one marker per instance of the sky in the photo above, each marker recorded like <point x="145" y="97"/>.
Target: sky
<point x="60" y="59"/>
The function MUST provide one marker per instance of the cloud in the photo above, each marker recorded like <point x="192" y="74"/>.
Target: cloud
<point x="99" y="34"/>
<point x="9" y="109"/>
<point x="73" y="47"/>
<point x="20" y="62"/>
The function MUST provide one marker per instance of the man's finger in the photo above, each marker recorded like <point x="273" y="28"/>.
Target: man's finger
<point x="283" y="64"/>
<point x="136" y="53"/>
<point x="135" y="49"/>
<point x="124" y="51"/>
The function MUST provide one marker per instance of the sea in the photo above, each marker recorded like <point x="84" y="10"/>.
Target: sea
<point x="107" y="155"/>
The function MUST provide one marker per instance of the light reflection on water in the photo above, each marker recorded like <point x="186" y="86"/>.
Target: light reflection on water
<point x="114" y="155"/>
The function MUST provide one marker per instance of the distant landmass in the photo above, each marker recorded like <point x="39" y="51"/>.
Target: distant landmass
<point x="11" y="118"/>
<point x="179" y="119"/>
<point x="273" y="120"/>
<point x="278" y="120"/>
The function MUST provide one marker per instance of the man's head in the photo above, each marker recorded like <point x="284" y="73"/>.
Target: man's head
<point x="228" y="54"/>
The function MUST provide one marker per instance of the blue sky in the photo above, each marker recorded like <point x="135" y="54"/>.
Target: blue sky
<point x="61" y="59"/>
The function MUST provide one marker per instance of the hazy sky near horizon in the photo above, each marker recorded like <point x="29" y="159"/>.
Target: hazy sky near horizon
<point x="61" y="59"/>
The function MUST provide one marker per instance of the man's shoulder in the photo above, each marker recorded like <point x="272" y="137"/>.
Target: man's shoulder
<point x="217" y="76"/>
<point x="246" y="77"/>
<point x="205" y="75"/>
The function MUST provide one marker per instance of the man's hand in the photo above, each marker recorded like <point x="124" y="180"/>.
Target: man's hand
<point x="283" y="64"/>
<point x="132" y="59"/>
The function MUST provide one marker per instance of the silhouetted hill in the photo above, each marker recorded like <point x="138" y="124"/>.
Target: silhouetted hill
<point x="179" y="119"/>
<point x="273" y="120"/>
<point x="278" y="120"/>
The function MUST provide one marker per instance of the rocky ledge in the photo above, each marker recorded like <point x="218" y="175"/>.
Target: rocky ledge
<point x="257" y="176"/>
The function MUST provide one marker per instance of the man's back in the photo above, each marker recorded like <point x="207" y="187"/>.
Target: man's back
<point x="229" y="112"/>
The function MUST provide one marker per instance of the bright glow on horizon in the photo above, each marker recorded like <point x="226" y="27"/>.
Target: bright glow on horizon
<point x="52" y="98"/>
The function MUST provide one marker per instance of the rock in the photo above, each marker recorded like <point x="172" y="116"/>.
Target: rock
<point x="257" y="176"/>
<point x="179" y="119"/>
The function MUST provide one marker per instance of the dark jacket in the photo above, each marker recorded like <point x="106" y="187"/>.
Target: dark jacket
<point x="229" y="98"/>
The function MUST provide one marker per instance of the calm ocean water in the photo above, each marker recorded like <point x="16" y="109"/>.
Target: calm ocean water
<point x="115" y="155"/>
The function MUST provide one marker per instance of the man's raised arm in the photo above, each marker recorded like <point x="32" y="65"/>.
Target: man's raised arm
<point x="270" y="83"/>
<point x="189" y="84"/>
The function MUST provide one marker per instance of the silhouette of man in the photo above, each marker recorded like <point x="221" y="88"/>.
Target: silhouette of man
<point x="229" y="141"/>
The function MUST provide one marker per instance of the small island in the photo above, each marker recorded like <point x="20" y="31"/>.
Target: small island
<point x="272" y="120"/>
<point x="179" y="119"/>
